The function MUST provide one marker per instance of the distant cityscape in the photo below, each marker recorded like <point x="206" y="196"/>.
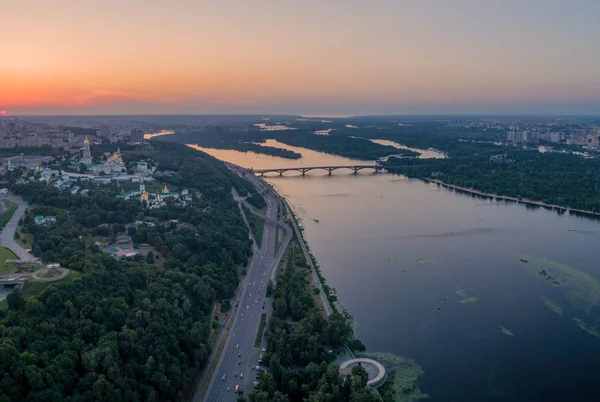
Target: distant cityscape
<point x="69" y="133"/>
<point x="553" y="131"/>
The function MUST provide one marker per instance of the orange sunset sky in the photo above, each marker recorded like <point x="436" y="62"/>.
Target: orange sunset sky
<point x="330" y="57"/>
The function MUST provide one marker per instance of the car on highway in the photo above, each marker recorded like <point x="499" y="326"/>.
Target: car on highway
<point x="263" y="350"/>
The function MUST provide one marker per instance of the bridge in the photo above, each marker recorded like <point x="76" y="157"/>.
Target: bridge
<point x="328" y="169"/>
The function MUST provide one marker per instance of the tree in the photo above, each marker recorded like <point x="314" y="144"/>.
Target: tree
<point x="150" y="257"/>
<point x="360" y="376"/>
<point x="15" y="300"/>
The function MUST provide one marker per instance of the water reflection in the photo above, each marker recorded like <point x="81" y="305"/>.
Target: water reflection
<point x="425" y="153"/>
<point x="276" y="127"/>
<point x="262" y="161"/>
<point x="472" y="294"/>
<point x="147" y="136"/>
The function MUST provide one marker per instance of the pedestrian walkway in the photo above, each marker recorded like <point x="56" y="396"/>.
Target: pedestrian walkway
<point x="7" y="237"/>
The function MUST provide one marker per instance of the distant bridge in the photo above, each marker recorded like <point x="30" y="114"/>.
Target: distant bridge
<point x="328" y="169"/>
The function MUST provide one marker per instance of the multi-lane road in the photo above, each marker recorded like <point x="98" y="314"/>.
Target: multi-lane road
<point x="238" y="361"/>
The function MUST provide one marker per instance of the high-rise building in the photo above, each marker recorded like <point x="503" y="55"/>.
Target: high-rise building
<point x="136" y="136"/>
<point x="104" y="131"/>
<point x="87" y="154"/>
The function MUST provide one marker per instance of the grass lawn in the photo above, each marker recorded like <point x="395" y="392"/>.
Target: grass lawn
<point x="257" y="226"/>
<point x="261" y="329"/>
<point x="25" y="239"/>
<point x="6" y="254"/>
<point x="6" y="215"/>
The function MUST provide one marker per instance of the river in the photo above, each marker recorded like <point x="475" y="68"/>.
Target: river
<point x="470" y="299"/>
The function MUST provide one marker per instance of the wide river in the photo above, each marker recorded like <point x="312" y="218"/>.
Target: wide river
<point x="470" y="299"/>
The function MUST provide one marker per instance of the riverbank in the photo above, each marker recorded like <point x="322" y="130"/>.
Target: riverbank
<point x="560" y="208"/>
<point x="325" y="291"/>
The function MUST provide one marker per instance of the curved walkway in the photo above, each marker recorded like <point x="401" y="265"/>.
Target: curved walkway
<point x="7" y="237"/>
<point x="63" y="272"/>
<point x="374" y="369"/>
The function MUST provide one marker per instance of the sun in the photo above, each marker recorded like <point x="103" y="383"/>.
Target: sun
<point x="3" y="113"/>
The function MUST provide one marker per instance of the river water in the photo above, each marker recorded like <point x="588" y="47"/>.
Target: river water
<point x="483" y="300"/>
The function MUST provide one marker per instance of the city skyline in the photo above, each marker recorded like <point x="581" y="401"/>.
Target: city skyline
<point x="268" y="57"/>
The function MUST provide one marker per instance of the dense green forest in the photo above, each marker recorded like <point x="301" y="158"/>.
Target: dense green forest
<point x="238" y="141"/>
<point x="39" y="151"/>
<point x="342" y="145"/>
<point x="554" y="178"/>
<point x="302" y="344"/>
<point x="343" y="142"/>
<point x="125" y="330"/>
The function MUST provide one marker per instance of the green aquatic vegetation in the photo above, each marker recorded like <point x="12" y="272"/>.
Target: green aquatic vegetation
<point x="403" y="374"/>
<point x="581" y="289"/>
<point x="506" y="331"/>
<point x="464" y="294"/>
<point x="552" y="306"/>
<point x="590" y="329"/>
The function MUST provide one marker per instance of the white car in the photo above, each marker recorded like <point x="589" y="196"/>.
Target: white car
<point x="248" y="306"/>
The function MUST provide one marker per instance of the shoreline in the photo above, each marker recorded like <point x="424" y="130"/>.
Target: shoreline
<point x="511" y="199"/>
<point x="319" y="279"/>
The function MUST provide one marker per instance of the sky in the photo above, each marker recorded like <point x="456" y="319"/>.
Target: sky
<point x="324" y="57"/>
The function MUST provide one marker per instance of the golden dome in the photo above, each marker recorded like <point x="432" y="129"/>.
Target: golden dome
<point x="86" y="141"/>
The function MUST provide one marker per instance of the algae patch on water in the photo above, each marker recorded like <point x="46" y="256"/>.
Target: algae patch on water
<point x="464" y="294"/>
<point x="403" y="374"/>
<point x="581" y="289"/>
<point x="590" y="329"/>
<point x="552" y="306"/>
<point x="506" y="331"/>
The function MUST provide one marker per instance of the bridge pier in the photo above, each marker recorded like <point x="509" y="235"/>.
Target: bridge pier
<point x="329" y="169"/>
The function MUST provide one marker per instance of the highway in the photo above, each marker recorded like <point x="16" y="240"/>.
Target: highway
<point x="239" y="358"/>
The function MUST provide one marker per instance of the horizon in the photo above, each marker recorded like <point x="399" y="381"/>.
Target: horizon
<point x="315" y="116"/>
<point x="320" y="58"/>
